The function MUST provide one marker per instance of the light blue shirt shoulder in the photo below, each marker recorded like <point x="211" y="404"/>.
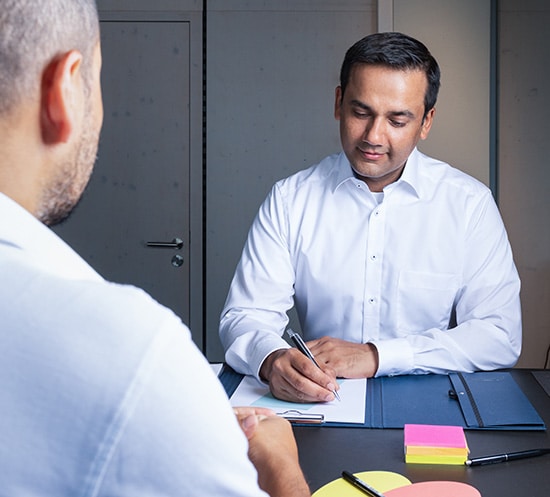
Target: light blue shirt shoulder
<point x="103" y="390"/>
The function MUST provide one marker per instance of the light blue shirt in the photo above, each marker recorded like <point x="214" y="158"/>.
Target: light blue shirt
<point x="426" y="274"/>
<point x="102" y="391"/>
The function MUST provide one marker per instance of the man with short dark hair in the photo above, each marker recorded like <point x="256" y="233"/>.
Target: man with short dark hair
<point x="395" y="262"/>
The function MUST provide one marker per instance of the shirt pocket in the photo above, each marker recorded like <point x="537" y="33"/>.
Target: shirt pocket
<point x="425" y="300"/>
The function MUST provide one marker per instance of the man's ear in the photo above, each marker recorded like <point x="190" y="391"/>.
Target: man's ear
<point x="427" y="123"/>
<point x="337" y="102"/>
<point x="61" y="87"/>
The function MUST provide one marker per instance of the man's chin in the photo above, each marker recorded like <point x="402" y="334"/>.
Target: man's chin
<point x="59" y="214"/>
<point x="55" y="218"/>
<point x="368" y="172"/>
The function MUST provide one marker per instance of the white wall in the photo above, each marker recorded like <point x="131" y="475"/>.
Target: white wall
<point x="458" y="33"/>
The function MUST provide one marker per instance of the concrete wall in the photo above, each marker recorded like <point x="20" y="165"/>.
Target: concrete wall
<point x="524" y="172"/>
<point x="272" y="69"/>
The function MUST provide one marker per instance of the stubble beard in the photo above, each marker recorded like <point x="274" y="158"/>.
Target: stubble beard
<point x="65" y="190"/>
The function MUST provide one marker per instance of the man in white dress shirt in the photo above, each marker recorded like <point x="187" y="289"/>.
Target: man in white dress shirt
<point x="396" y="263"/>
<point x="102" y="391"/>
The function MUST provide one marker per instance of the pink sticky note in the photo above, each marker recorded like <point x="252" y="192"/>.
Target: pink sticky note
<point x="434" y="489"/>
<point x="434" y="436"/>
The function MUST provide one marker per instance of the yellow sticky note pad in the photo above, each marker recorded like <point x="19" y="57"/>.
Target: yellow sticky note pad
<point x="436" y="459"/>
<point x="396" y="485"/>
<point x="382" y="481"/>
<point x="435" y="444"/>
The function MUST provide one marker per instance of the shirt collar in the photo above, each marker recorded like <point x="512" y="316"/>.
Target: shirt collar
<point x="344" y="172"/>
<point x="411" y="174"/>
<point x="410" y="177"/>
<point x="41" y="246"/>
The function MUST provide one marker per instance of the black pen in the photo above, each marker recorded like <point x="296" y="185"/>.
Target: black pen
<point x="478" y="461"/>
<point x="360" y="484"/>
<point x="302" y="347"/>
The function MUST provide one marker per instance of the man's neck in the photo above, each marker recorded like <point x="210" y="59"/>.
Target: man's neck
<point x="377" y="185"/>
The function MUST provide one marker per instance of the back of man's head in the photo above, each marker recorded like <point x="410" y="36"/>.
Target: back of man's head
<point x="34" y="32"/>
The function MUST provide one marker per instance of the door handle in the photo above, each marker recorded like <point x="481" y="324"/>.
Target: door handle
<point x="176" y="244"/>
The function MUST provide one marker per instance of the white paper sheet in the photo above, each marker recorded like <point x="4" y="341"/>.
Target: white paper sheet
<point x="351" y="408"/>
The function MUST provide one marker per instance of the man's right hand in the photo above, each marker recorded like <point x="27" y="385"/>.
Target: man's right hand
<point x="294" y="377"/>
<point x="273" y="451"/>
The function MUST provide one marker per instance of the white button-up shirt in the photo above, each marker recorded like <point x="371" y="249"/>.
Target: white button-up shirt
<point x="424" y="272"/>
<point x="102" y="391"/>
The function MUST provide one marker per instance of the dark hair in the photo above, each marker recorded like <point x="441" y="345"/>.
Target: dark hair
<point x="396" y="51"/>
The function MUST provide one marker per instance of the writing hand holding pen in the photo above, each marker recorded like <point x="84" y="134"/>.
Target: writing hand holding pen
<point x="302" y="347"/>
<point x="292" y="376"/>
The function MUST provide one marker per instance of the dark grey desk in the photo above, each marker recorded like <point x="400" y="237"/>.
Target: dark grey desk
<point x="325" y="452"/>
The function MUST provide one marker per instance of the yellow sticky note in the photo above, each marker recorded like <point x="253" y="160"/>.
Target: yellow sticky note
<point x="382" y="481"/>
<point x="436" y="459"/>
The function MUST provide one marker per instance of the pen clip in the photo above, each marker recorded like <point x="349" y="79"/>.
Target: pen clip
<point x="295" y="416"/>
<point x="290" y="332"/>
<point x="301" y="346"/>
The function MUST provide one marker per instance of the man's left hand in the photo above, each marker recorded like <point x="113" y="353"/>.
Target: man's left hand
<point x="347" y="359"/>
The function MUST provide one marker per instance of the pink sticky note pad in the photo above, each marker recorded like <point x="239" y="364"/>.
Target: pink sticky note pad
<point x="434" y="436"/>
<point x="434" y="489"/>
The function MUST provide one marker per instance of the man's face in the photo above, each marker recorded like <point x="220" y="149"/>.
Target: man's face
<point x="381" y="121"/>
<point x="74" y="172"/>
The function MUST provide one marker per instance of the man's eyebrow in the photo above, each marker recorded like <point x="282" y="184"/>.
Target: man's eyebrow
<point x="402" y="113"/>
<point x="395" y="113"/>
<point x="357" y="103"/>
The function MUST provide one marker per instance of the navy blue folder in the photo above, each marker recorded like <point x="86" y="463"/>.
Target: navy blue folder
<point x="483" y="400"/>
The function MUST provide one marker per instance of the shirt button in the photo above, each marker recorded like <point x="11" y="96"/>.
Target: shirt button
<point x="372" y="301"/>
<point x="373" y="257"/>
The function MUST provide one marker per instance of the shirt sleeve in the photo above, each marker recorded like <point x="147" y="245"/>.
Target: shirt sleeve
<point x="254" y="317"/>
<point x="181" y="437"/>
<point x="487" y="332"/>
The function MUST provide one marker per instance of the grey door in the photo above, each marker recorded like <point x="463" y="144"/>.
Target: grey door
<point x="140" y="193"/>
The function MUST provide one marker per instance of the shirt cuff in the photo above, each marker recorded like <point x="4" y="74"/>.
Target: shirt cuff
<point x="395" y="357"/>
<point x="260" y="349"/>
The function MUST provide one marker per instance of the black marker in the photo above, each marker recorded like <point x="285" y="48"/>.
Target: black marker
<point x="478" y="461"/>
<point x="360" y="484"/>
